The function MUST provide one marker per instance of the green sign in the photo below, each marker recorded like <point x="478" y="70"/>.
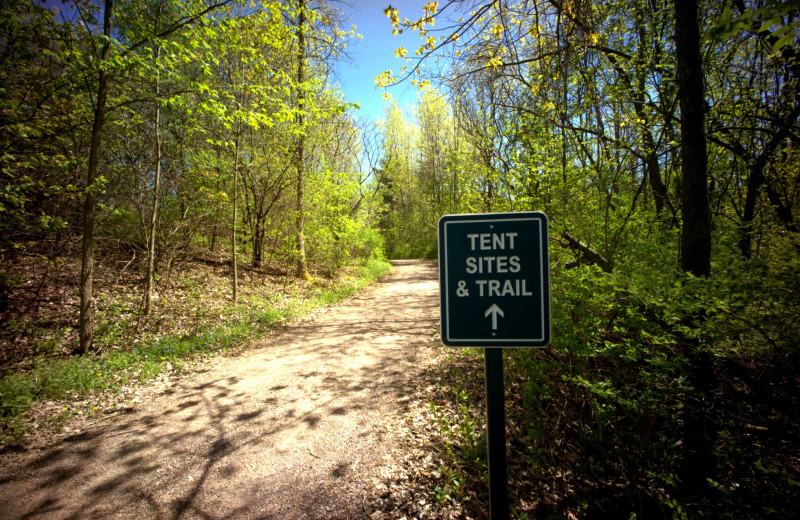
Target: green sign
<point x="494" y="280"/>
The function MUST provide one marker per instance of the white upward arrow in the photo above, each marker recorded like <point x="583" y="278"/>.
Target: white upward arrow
<point x="494" y="310"/>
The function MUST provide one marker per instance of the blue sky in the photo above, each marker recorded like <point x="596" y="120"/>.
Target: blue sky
<point x="374" y="53"/>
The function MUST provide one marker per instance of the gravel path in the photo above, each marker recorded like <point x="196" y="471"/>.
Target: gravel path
<point x="292" y="428"/>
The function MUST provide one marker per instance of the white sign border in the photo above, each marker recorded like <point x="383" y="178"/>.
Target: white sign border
<point x="539" y="218"/>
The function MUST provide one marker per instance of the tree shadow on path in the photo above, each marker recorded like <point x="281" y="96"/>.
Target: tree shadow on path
<point x="286" y="430"/>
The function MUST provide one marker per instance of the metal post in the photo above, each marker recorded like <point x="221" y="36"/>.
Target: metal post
<point x="496" y="434"/>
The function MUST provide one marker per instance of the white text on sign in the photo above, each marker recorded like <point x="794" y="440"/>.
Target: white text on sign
<point x="500" y="264"/>
<point x="491" y="241"/>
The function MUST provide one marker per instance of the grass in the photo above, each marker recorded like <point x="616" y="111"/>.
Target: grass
<point x="146" y="356"/>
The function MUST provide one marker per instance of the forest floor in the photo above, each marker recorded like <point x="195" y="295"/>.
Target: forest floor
<point x="357" y="411"/>
<point x="305" y="424"/>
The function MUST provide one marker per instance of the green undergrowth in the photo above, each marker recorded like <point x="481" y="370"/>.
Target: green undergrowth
<point x="595" y="422"/>
<point x="115" y="370"/>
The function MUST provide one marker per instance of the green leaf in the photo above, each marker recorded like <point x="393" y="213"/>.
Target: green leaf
<point x="783" y="41"/>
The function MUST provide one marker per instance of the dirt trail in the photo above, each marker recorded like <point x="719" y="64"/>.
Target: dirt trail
<point x="289" y="429"/>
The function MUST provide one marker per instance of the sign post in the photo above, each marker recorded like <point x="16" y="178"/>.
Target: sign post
<point x="494" y="291"/>
<point x="496" y="434"/>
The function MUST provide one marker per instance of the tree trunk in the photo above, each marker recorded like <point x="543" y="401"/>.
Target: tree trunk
<point x="757" y="179"/>
<point x="587" y="254"/>
<point x="699" y="433"/>
<point x="660" y="193"/>
<point x="783" y="211"/>
<point x="302" y="267"/>
<point x="258" y="243"/>
<point x="90" y="202"/>
<point x="233" y="224"/>
<point x="695" y="210"/>
<point x="151" y="246"/>
<point x="214" y="230"/>
<point x="652" y="167"/>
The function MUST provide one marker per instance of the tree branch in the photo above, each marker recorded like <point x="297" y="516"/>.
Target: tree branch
<point x="588" y="256"/>
<point x="177" y="24"/>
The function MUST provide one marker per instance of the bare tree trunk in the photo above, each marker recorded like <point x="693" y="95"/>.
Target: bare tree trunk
<point x="588" y="255"/>
<point x="258" y="242"/>
<point x="151" y="246"/>
<point x="757" y="179"/>
<point x="90" y="202"/>
<point x="217" y="211"/>
<point x="695" y="210"/>
<point x="699" y="432"/>
<point x="302" y="267"/>
<point x="660" y="193"/>
<point x="233" y="226"/>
